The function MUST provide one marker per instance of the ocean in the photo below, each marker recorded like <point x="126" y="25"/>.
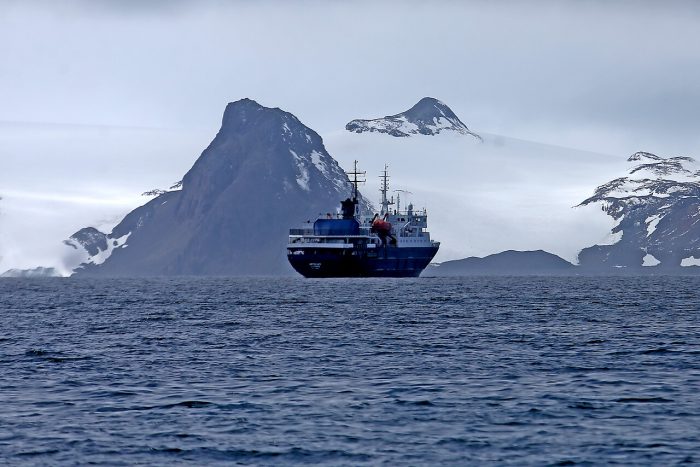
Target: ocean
<point x="278" y="371"/>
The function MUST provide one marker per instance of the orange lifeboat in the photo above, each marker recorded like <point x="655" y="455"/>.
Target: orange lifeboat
<point x="381" y="226"/>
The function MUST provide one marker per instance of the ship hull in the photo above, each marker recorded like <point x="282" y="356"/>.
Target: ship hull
<point x="379" y="262"/>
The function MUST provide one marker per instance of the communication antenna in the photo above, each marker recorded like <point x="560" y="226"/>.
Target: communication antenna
<point x="384" y="188"/>
<point x="398" y="198"/>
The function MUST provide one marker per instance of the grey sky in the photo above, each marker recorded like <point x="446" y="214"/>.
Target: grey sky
<point x="604" y="76"/>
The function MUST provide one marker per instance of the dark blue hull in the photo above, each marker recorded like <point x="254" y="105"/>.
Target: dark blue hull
<point x="387" y="261"/>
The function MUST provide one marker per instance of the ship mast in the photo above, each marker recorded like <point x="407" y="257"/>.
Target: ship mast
<point x="355" y="183"/>
<point x="383" y="189"/>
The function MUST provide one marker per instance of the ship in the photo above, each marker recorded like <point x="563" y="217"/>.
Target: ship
<point x="352" y="243"/>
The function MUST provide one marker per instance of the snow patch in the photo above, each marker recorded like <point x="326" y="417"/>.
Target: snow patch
<point x="316" y="158"/>
<point x="112" y="244"/>
<point x="340" y="185"/>
<point x="690" y="261"/>
<point x="650" y="260"/>
<point x="651" y="223"/>
<point x="442" y="123"/>
<point x="439" y="109"/>
<point x="406" y="127"/>
<point x="303" y="178"/>
<point x="303" y="173"/>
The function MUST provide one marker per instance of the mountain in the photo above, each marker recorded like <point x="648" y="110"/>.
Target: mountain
<point x="506" y="263"/>
<point x="656" y="207"/>
<point x="428" y="117"/>
<point x="264" y="172"/>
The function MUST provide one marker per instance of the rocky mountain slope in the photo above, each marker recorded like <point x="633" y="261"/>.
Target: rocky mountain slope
<point x="656" y="207"/>
<point x="428" y="117"/>
<point x="264" y="172"/>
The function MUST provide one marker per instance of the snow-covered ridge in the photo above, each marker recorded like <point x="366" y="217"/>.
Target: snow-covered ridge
<point x="428" y="117"/>
<point x="657" y="209"/>
<point x="656" y="177"/>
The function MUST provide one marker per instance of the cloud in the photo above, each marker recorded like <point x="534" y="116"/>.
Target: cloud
<point x="610" y="77"/>
<point x="537" y="70"/>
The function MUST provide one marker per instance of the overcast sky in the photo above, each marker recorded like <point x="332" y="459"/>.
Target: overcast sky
<point x="604" y="76"/>
<point x="101" y="99"/>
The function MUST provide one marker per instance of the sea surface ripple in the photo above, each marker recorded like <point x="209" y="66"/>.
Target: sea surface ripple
<point x="431" y="371"/>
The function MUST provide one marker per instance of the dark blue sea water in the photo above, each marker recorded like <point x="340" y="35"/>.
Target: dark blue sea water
<point x="459" y="371"/>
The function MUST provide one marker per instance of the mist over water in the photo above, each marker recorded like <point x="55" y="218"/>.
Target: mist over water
<point x="55" y="180"/>
<point x="523" y="371"/>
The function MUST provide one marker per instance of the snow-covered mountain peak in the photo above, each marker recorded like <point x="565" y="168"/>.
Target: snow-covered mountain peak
<point x="657" y="206"/>
<point x="428" y="116"/>
<point x="428" y="108"/>
<point x="644" y="156"/>
<point x="678" y="168"/>
<point x="655" y="177"/>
